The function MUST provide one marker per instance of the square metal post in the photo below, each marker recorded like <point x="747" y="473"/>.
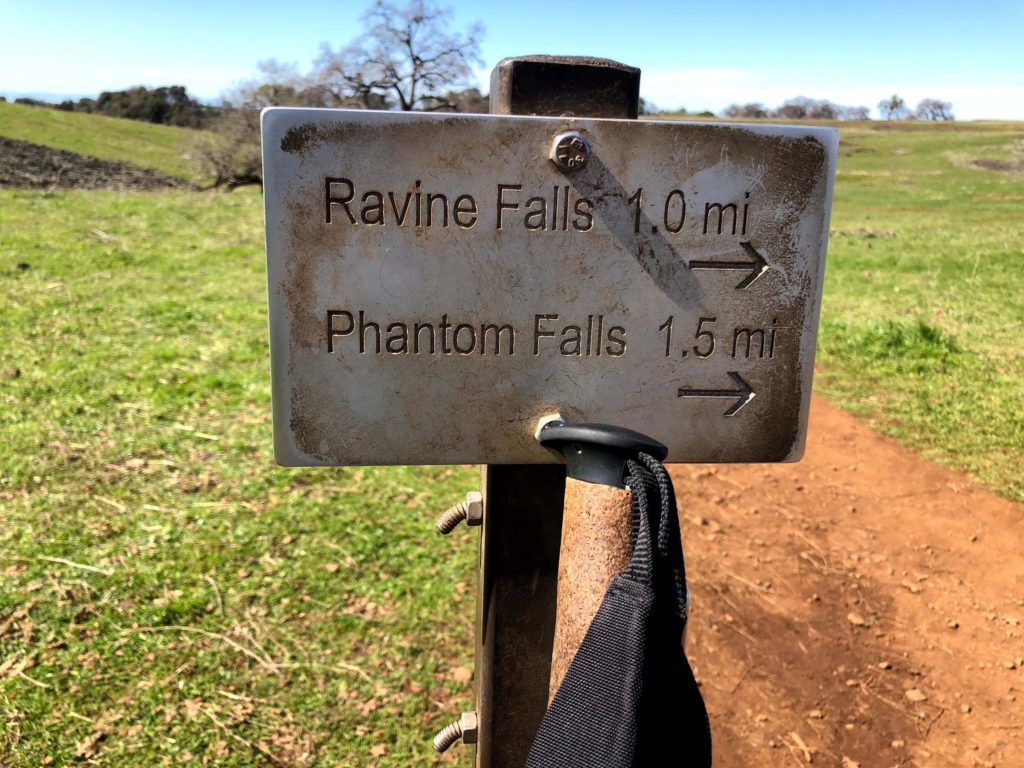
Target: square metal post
<point x="519" y="541"/>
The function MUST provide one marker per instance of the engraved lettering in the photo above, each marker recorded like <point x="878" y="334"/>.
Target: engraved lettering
<point x="705" y="336"/>
<point x="417" y="329"/>
<point x="465" y="206"/>
<point x="538" y="334"/>
<point x="390" y="336"/>
<point x="497" y="330"/>
<point x="400" y="215"/>
<point x="636" y="200"/>
<point x="376" y="208"/>
<point x="584" y="219"/>
<point x="504" y="205"/>
<point x="537" y="217"/>
<point x="397" y="342"/>
<point x="616" y="341"/>
<point x="343" y="200"/>
<point x="680" y="216"/>
<point x="458" y="334"/>
<point x="433" y="197"/>
<point x="365" y="326"/>
<point x="444" y="326"/>
<point x="749" y="335"/>
<point x="571" y="337"/>
<point x="756" y="342"/>
<point x="721" y="210"/>
<point x="333" y="330"/>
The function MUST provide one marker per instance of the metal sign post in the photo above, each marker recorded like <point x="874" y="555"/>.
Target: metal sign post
<point x="437" y="283"/>
<point x="518" y="565"/>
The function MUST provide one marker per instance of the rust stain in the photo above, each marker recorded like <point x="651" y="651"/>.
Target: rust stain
<point x="300" y="138"/>
<point x="595" y="548"/>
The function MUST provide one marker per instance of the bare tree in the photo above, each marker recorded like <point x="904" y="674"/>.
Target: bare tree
<point x="893" y="108"/>
<point x="803" y="108"/>
<point x="405" y="59"/>
<point x="854" y="113"/>
<point x="934" y="109"/>
<point x="793" y="109"/>
<point x="754" y="109"/>
<point x="467" y="101"/>
<point x="228" y="155"/>
<point x="812" y="109"/>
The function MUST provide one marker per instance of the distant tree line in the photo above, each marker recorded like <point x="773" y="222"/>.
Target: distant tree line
<point x="799" y="108"/>
<point x="166" y="105"/>
<point x="895" y="108"/>
<point x="803" y="108"/>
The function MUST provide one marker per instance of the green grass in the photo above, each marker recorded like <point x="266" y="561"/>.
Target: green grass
<point x="168" y="596"/>
<point x="130" y="141"/>
<point x="221" y="606"/>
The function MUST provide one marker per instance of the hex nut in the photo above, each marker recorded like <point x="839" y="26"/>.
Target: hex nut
<point x="470" y="724"/>
<point x="474" y="508"/>
<point x="570" y="151"/>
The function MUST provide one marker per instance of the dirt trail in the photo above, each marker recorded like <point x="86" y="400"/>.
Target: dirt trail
<point x="860" y="608"/>
<point x="33" y="166"/>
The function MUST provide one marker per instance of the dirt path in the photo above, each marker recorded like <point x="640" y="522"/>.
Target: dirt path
<point x="33" y="166"/>
<point x="860" y="608"/>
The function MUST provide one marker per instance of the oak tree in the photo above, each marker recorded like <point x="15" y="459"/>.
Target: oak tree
<point x="934" y="109"/>
<point x="893" y="108"/>
<point x="408" y="59"/>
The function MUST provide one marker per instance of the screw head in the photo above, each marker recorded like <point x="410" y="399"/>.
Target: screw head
<point x="570" y="151"/>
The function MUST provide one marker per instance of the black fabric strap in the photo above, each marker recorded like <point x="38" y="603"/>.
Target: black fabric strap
<point x="629" y="699"/>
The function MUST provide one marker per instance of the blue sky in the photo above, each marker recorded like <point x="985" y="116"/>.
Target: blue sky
<point x="697" y="55"/>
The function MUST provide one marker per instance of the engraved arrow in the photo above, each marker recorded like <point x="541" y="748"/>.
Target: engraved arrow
<point x="743" y="395"/>
<point x="757" y="265"/>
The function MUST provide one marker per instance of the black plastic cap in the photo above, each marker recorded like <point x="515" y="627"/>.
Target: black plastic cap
<point x="597" y="453"/>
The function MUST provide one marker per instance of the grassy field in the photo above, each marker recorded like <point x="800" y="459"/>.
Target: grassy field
<point x="129" y="141"/>
<point x="923" y="318"/>
<point x="169" y="597"/>
<point x="165" y="591"/>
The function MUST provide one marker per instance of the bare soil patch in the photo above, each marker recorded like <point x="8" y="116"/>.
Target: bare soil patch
<point x="1000" y="164"/>
<point x="33" y="166"/>
<point x="860" y="608"/>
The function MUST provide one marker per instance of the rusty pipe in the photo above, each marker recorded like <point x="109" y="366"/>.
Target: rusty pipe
<point x="595" y="543"/>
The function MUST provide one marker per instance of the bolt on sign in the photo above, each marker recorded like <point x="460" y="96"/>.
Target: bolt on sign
<point x="437" y="283"/>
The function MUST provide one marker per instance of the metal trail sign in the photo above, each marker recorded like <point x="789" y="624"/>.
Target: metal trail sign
<point x="439" y="282"/>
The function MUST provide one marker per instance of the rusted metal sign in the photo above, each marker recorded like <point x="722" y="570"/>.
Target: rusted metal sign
<point x="439" y="282"/>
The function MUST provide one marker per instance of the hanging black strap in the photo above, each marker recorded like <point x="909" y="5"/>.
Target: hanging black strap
<point x="629" y="699"/>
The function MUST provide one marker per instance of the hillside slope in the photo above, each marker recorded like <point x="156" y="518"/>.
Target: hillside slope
<point x="33" y="166"/>
<point x="161" y="147"/>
